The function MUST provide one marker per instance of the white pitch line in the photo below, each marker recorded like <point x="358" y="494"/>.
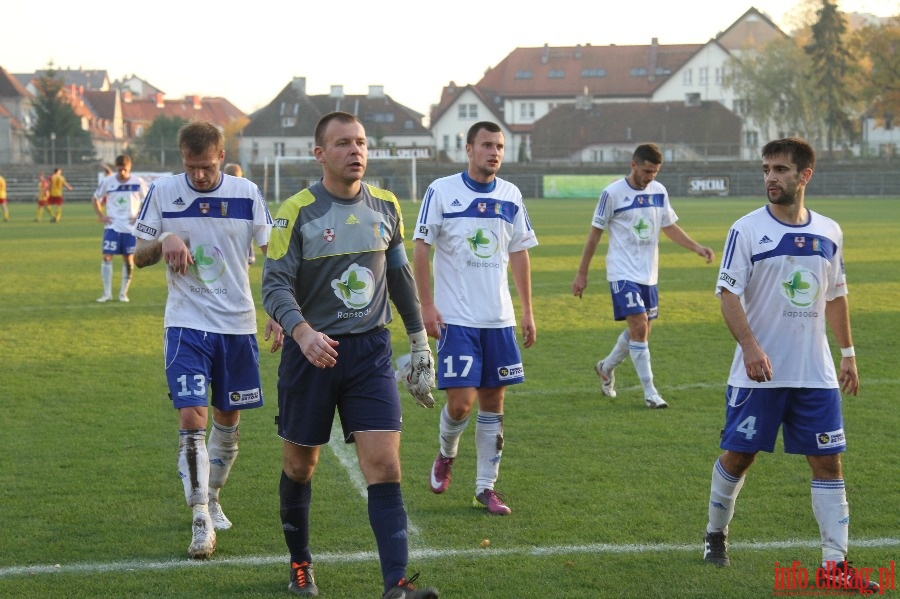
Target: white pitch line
<point x="423" y="554"/>
<point x="347" y="458"/>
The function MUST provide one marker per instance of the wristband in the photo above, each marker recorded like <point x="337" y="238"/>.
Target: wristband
<point x="163" y="236"/>
<point x="847" y="352"/>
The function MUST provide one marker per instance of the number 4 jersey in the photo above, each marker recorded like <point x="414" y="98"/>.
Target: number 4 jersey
<point x="784" y="275"/>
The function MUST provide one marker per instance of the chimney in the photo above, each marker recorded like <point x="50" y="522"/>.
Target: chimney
<point x="337" y="91"/>
<point x="545" y="55"/>
<point x="198" y="104"/>
<point x="160" y="103"/>
<point x="654" y="57"/>
<point x="299" y="85"/>
<point x="376" y="91"/>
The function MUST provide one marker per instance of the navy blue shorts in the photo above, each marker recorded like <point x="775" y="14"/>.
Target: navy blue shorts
<point x="629" y="298"/>
<point x="810" y="420"/>
<point x="118" y="243"/>
<point x="480" y="358"/>
<point x="361" y="387"/>
<point x="199" y="363"/>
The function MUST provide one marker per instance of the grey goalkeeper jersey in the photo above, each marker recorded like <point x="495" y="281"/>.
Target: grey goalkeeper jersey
<point x="335" y="263"/>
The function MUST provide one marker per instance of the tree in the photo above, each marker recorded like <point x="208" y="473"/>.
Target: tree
<point x="232" y="133"/>
<point x="878" y="47"/>
<point x="57" y="133"/>
<point x="832" y="66"/>
<point x="774" y="84"/>
<point x="159" y="144"/>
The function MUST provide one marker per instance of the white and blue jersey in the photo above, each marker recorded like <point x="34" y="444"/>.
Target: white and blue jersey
<point x="123" y="200"/>
<point x="473" y="227"/>
<point x="218" y="226"/>
<point x="633" y="219"/>
<point x="784" y="275"/>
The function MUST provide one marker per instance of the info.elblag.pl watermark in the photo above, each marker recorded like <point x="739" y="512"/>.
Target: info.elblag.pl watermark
<point x="828" y="581"/>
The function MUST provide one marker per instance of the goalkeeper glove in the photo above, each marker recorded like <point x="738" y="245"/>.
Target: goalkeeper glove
<point x="419" y="374"/>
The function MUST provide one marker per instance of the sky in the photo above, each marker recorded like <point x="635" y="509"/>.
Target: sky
<point x="249" y="56"/>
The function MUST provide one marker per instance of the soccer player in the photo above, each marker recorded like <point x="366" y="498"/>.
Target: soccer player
<point x="634" y="210"/>
<point x="3" y="199"/>
<point x="57" y="183"/>
<point x="335" y="259"/>
<point x="781" y="281"/>
<point x="477" y="224"/>
<point x="43" y="198"/>
<point x="200" y="224"/>
<point x="117" y="201"/>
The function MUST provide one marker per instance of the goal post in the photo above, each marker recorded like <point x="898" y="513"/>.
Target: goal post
<point x="413" y="188"/>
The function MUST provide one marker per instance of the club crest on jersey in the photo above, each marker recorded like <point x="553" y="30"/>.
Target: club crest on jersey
<point x="800" y="241"/>
<point x="224" y="208"/>
<point x="204" y="207"/>
<point x="328" y="235"/>
<point x="482" y="207"/>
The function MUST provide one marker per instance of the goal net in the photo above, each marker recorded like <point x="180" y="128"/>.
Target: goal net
<point x="394" y="173"/>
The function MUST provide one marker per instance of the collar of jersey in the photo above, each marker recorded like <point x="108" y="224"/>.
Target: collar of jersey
<point x="479" y="187"/>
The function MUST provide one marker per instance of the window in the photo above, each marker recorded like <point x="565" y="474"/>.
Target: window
<point x="383" y="117"/>
<point x="593" y="72"/>
<point x="663" y="71"/>
<point x="638" y="72"/>
<point x="556" y="74"/>
<point x="741" y="106"/>
<point x="703" y="75"/>
<point x="687" y="78"/>
<point x="526" y="110"/>
<point x="718" y="76"/>
<point x="279" y="148"/>
<point x="288" y="121"/>
<point x="286" y="109"/>
<point x="468" y="111"/>
<point x="524" y="74"/>
<point x="446" y="144"/>
<point x="751" y="139"/>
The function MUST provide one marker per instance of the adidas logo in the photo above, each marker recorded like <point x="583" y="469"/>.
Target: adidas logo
<point x="352" y="220"/>
<point x="455" y="203"/>
<point x="765" y="239"/>
<point x="179" y="202"/>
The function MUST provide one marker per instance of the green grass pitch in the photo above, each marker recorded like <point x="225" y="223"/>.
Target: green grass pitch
<point x="609" y="498"/>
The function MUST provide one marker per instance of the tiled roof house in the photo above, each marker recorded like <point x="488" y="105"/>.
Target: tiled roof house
<point x="286" y="126"/>
<point x="530" y="83"/>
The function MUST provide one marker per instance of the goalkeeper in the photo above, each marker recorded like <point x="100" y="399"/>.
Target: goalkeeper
<point x="336" y="258"/>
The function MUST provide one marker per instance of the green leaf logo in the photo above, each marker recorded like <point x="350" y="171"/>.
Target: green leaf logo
<point x="355" y="287"/>
<point x="479" y="240"/>
<point x="642" y="229"/>
<point x="209" y="263"/>
<point x="801" y="288"/>
<point x="483" y="243"/>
